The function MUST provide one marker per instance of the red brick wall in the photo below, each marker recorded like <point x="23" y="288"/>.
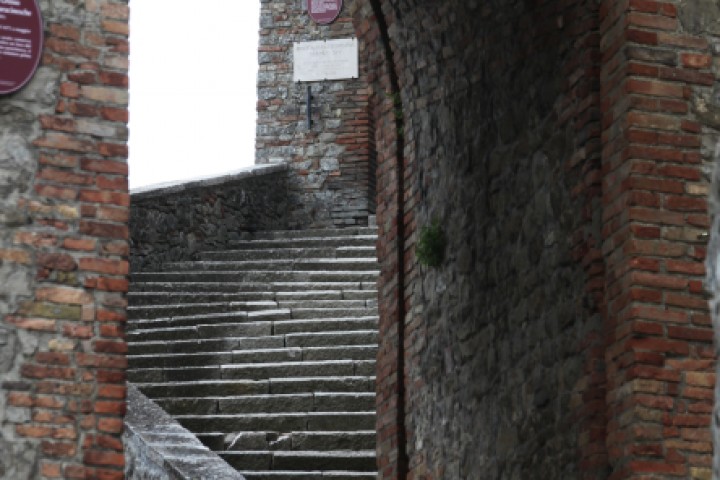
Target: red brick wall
<point x="659" y="355"/>
<point x="66" y="252"/>
<point x="376" y="55"/>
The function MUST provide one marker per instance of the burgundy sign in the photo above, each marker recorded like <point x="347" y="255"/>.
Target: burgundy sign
<point x="323" y="11"/>
<point x="21" y="39"/>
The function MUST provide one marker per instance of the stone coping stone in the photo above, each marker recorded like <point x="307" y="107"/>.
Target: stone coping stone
<point x="228" y="179"/>
<point x="158" y="447"/>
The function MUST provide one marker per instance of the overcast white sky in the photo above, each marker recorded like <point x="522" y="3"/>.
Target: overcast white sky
<point x="193" y="67"/>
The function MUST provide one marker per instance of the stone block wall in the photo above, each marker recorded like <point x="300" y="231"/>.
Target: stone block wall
<point x="175" y="222"/>
<point x="63" y="250"/>
<point x="332" y="162"/>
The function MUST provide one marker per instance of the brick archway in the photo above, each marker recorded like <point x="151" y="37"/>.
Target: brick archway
<point x="562" y="147"/>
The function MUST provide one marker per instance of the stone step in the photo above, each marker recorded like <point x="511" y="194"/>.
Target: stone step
<point x="315" y="339"/>
<point x="327" y="312"/>
<point x="308" y="475"/>
<point x="323" y="303"/>
<point x="242" y="287"/>
<point x="136" y="347"/>
<point x="140" y="299"/>
<point x="300" y="333"/>
<point x="165" y="310"/>
<point x="369" y="322"/>
<point x="301" y="460"/>
<point x="357" y="440"/>
<point x="213" y="321"/>
<point x="315" y="233"/>
<point x="298" y="402"/>
<point x="210" y="319"/>
<point x="331" y="339"/>
<point x="200" y="332"/>
<point x="280" y="422"/>
<point x="290" y="265"/>
<point x="287" y="253"/>
<point x="257" y="387"/>
<point x="168" y="360"/>
<point x="326" y="295"/>
<point x="254" y="276"/>
<point x="304" y="242"/>
<point x="252" y="371"/>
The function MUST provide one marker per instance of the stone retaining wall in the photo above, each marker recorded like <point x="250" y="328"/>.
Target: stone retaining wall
<point x="175" y="222"/>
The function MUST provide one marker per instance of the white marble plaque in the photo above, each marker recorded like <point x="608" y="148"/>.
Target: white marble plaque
<point x="325" y="60"/>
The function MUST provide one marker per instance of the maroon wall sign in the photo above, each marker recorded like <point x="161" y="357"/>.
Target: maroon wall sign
<point x="323" y="11"/>
<point x="21" y="39"/>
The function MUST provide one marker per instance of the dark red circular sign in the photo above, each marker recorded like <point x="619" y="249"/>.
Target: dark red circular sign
<point x="323" y="11"/>
<point x="21" y="39"/>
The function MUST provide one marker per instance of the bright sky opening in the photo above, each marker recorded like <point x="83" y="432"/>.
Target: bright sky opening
<point x="193" y="70"/>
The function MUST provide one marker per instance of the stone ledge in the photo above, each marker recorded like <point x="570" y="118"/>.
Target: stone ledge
<point x="231" y="178"/>
<point x="158" y="447"/>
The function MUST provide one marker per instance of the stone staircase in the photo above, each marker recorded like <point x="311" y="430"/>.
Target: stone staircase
<point x="266" y="351"/>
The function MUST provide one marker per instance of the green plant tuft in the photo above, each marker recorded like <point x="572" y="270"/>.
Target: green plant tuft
<point x="430" y="248"/>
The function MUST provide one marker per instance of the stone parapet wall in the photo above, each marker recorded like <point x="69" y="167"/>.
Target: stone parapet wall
<point x="63" y="250"/>
<point x="175" y="222"/>
<point x="333" y="160"/>
<point x="159" y="448"/>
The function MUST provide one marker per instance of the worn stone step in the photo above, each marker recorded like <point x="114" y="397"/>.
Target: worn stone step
<point x="255" y="371"/>
<point x="137" y="299"/>
<point x="307" y="475"/>
<point x="326" y="295"/>
<point x="217" y="388"/>
<point x="169" y="360"/>
<point x="323" y="303"/>
<point x="331" y="339"/>
<point x="301" y="460"/>
<point x="255" y="276"/>
<point x="239" y="287"/>
<point x="179" y="374"/>
<point x="286" y="265"/>
<point x="315" y="233"/>
<point x="287" y="253"/>
<point x="205" y="345"/>
<point x="210" y="319"/>
<point x="328" y="312"/>
<point x="164" y="310"/>
<point x="304" y="242"/>
<point x="201" y="332"/>
<point x="281" y="422"/>
<point x="325" y="325"/>
<point x="297" y="402"/>
<point x="140" y="345"/>
<point x="357" y="440"/>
